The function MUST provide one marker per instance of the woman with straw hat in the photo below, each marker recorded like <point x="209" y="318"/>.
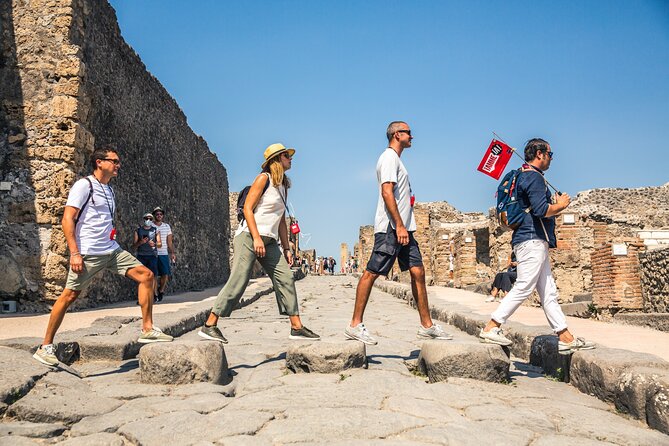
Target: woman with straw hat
<point x="257" y="237"/>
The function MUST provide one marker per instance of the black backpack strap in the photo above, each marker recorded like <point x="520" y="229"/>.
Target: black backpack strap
<point x="89" y="198"/>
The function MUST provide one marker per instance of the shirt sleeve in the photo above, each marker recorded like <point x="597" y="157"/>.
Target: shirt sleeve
<point x="78" y="194"/>
<point x="536" y="193"/>
<point x="387" y="169"/>
<point x="168" y="231"/>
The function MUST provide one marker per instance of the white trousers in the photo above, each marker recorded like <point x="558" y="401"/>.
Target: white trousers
<point x="534" y="271"/>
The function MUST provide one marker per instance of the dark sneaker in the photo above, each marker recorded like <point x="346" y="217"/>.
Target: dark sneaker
<point x="154" y="335"/>
<point x="567" y="348"/>
<point x="212" y="333"/>
<point x="160" y="297"/>
<point x="303" y="334"/>
<point x="46" y="354"/>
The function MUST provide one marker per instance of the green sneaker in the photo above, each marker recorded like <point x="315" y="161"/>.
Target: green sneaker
<point x="46" y="354"/>
<point x="303" y="334"/>
<point x="212" y="333"/>
<point x="154" y="335"/>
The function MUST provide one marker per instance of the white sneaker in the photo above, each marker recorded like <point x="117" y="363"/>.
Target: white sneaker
<point x="360" y="333"/>
<point x="567" y="348"/>
<point x="46" y="354"/>
<point x="490" y="299"/>
<point x="494" y="336"/>
<point x="434" y="332"/>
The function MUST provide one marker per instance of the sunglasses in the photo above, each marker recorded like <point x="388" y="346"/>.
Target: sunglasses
<point x="114" y="161"/>
<point x="408" y="132"/>
<point x="550" y="154"/>
<point x="287" y="155"/>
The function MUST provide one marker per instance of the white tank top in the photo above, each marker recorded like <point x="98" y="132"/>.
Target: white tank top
<point x="268" y="212"/>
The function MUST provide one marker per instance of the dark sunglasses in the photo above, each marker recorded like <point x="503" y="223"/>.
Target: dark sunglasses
<point x="408" y="132"/>
<point x="287" y="155"/>
<point x="550" y="154"/>
<point x="114" y="161"/>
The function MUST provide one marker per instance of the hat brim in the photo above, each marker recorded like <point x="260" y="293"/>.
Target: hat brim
<point x="290" y="151"/>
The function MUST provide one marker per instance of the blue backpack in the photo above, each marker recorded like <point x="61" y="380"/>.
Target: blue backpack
<point x="510" y="213"/>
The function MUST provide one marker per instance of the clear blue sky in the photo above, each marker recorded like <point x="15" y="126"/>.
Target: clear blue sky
<point x="591" y="77"/>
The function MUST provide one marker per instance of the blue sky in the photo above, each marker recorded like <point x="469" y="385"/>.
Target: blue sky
<point x="591" y="77"/>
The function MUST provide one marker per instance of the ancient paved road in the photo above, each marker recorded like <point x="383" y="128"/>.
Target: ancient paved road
<point x="383" y="404"/>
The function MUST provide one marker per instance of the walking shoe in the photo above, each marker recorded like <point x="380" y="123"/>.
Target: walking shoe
<point x="490" y="299"/>
<point x="567" y="348"/>
<point x="212" y="333"/>
<point x="46" y="354"/>
<point x="360" y="333"/>
<point x="154" y="335"/>
<point x="434" y="332"/>
<point x="303" y="334"/>
<point x="494" y="336"/>
<point x="160" y="297"/>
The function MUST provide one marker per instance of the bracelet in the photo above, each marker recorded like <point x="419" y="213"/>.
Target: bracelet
<point x="74" y="254"/>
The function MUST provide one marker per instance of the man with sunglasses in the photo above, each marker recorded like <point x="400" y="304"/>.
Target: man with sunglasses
<point x="88" y="226"/>
<point x="166" y="253"/>
<point x="531" y="241"/>
<point x="394" y="225"/>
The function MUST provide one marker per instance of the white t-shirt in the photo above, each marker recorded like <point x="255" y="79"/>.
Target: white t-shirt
<point x="95" y="222"/>
<point x="390" y="169"/>
<point x="269" y="212"/>
<point x="164" y="230"/>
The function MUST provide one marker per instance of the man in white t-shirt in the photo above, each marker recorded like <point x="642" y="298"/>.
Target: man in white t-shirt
<point x="165" y="252"/>
<point x="88" y="226"/>
<point x="394" y="225"/>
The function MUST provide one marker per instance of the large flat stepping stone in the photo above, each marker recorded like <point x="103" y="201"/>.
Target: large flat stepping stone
<point x="33" y="430"/>
<point x="326" y="357"/>
<point x="18" y="374"/>
<point x="440" y="360"/>
<point x="183" y="362"/>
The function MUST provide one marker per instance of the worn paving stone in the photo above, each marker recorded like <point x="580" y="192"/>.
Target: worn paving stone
<point x="242" y="422"/>
<point x="178" y="428"/>
<point x="28" y="429"/>
<point x="18" y="441"/>
<point x="201" y="402"/>
<point x="440" y="360"/>
<point x="109" y="422"/>
<point x="513" y="416"/>
<point x="60" y="397"/>
<point x="562" y="440"/>
<point x="326" y="357"/>
<point x="183" y="362"/>
<point x="18" y="374"/>
<point x="198" y="388"/>
<point x="100" y="439"/>
<point x="470" y="433"/>
<point x="353" y="423"/>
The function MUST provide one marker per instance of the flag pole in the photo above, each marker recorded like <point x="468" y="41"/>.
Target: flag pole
<point x="515" y="153"/>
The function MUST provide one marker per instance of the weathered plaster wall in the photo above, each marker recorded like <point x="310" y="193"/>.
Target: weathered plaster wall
<point x="654" y="267"/>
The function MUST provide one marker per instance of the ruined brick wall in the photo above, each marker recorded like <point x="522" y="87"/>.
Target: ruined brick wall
<point x="616" y="277"/>
<point x="73" y="83"/>
<point x="654" y="267"/>
<point x="365" y="245"/>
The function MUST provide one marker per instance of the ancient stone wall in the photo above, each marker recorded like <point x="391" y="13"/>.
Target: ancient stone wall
<point x="654" y="267"/>
<point x="72" y="83"/>
<point x="616" y="276"/>
<point x="365" y="245"/>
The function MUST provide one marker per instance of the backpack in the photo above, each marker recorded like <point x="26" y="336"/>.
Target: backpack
<point x="241" y="199"/>
<point x="509" y="211"/>
<point x="89" y="198"/>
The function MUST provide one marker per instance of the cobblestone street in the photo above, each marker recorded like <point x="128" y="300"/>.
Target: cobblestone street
<point x="265" y="403"/>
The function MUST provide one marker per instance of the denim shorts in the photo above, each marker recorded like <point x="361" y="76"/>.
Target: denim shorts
<point x="387" y="249"/>
<point x="164" y="268"/>
<point x="150" y="262"/>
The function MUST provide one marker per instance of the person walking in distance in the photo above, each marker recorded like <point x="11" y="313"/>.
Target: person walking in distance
<point x="166" y="253"/>
<point x="88" y="225"/>
<point x="146" y="242"/>
<point x="257" y="238"/>
<point x="531" y="241"/>
<point x="394" y="226"/>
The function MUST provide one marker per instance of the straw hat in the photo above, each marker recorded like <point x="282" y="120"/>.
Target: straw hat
<point x="275" y="150"/>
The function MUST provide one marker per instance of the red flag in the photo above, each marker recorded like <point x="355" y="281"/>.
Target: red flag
<point x="495" y="159"/>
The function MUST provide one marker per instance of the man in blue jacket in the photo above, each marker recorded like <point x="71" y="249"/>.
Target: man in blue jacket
<point x="531" y="241"/>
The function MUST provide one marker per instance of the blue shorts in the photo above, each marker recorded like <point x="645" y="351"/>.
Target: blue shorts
<point x="150" y="262"/>
<point x="387" y="249"/>
<point x="164" y="266"/>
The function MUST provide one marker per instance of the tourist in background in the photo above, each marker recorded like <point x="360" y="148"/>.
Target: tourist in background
<point x="166" y="255"/>
<point x="257" y="237"/>
<point x="504" y="280"/>
<point x="394" y="225"/>
<point x="146" y="241"/>
<point x="88" y="226"/>
<point x="531" y="241"/>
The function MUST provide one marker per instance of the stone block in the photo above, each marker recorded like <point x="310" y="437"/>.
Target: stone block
<point x="33" y="430"/>
<point x="544" y="354"/>
<point x="18" y="374"/>
<point x="637" y="391"/>
<point x="326" y="357"/>
<point x="577" y="309"/>
<point x="183" y="362"/>
<point x="597" y="371"/>
<point x="583" y="298"/>
<point x="657" y="321"/>
<point x="440" y="360"/>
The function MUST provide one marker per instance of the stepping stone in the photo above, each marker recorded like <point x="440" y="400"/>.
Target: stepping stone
<point x="183" y="362"/>
<point x="34" y="430"/>
<point x="442" y="359"/>
<point x="326" y="357"/>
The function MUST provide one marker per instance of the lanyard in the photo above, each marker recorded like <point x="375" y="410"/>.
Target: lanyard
<point x="112" y="209"/>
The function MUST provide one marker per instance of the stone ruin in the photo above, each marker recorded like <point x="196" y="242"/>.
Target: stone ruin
<point x="613" y="246"/>
<point x="70" y="83"/>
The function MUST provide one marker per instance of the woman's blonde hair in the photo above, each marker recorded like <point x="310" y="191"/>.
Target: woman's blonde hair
<point x="277" y="172"/>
